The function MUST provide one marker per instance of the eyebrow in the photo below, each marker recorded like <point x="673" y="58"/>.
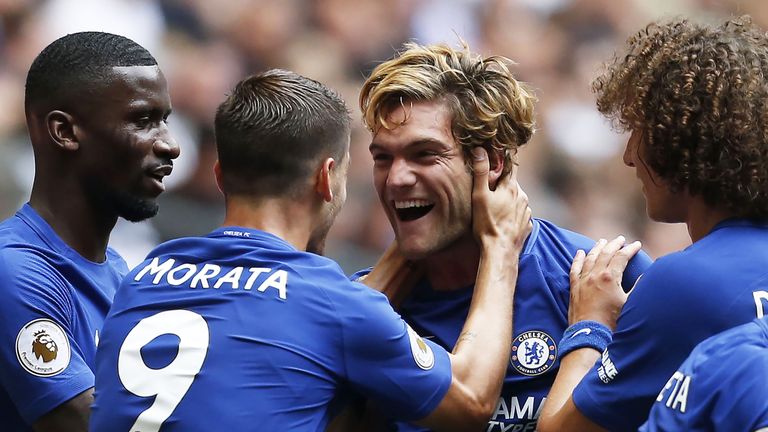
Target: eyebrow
<point x="419" y="142"/>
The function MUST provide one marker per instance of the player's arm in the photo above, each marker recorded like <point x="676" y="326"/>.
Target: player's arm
<point x="39" y="301"/>
<point x="501" y="223"/>
<point x="393" y="275"/>
<point x="597" y="296"/>
<point x="71" y="416"/>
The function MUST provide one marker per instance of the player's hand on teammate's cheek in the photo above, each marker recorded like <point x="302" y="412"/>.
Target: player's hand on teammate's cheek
<point x="394" y="275"/>
<point x="501" y="215"/>
<point x="596" y="292"/>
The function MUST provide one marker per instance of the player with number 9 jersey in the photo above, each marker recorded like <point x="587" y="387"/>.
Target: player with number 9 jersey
<point x="240" y="331"/>
<point x="249" y="328"/>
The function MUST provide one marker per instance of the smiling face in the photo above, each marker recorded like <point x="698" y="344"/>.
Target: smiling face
<point x="125" y="147"/>
<point x="662" y="205"/>
<point x="422" y="180"/>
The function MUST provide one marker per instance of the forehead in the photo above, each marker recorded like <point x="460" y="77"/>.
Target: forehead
<point x="415" y="123"/>
<point x="136" y="87"/>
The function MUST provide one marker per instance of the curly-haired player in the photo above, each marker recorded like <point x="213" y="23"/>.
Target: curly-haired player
<point x="427" y="108"/>
<point x="693" y="97"/>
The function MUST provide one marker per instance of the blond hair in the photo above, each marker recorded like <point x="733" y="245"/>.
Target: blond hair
<point x="489" y="107"/>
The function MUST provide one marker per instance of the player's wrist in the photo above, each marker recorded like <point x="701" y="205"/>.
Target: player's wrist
<point x="503" y="250"/>
<point x="585" y="334"/>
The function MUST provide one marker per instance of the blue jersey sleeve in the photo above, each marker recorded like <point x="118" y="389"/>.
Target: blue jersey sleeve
<point x="656" y="330"/>
<point x="386" y="360"/>
<point x="635" y="268"/>
<point x="721" y="386"/>
<point x="42" y="365"/>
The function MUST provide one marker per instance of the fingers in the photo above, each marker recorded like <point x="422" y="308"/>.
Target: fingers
<point x="614" y="254"/>
<point x="480" y="168"/>
<point x="508" y="180"/>
<point x="578" y="264"/>
<point x="608" y="252"/>
<point x="589" y="260"/>
<point x="622" y="257"/>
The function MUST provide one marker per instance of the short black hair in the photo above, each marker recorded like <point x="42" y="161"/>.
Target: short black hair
<point x="273" y="129"/>
<point x="60" y="71"/>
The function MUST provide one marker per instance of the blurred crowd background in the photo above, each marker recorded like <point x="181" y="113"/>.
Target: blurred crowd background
<point x="571" y="169"/>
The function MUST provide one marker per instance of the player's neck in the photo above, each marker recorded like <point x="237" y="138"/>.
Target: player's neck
<point x="454" y="267"/>
<point x="702" y="218"/>
<point x="79" y="222"/>
<point x="288" y="219"/>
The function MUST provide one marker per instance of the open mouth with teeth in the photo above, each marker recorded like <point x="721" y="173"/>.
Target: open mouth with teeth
<point x="412" y="209"/>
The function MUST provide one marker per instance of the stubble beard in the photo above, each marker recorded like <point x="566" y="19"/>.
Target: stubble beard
<point x="123" y="204"/>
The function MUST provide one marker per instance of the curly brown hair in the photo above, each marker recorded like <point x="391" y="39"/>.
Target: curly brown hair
<point x="699" y="95"/>
<point x="489" y="106"/>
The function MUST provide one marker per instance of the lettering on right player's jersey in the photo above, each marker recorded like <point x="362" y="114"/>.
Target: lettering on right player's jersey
<point x="210" y="276"/>
<point x="677" y="398"/>
<point x="761" y="298"/>
<point x="607" y="371"/>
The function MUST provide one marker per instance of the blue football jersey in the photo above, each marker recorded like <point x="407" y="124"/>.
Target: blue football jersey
<point x="722" y="386"/>
<point x="540" y="318"/>
<point x="239" y="331"/>
<point x="715" y="284"/>
<point x="54" y="303"/>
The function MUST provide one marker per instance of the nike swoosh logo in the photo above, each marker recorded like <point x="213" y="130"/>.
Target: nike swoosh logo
<point x="585" y="331"/>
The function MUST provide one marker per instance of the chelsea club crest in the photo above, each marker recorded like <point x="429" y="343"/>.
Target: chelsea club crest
<point x="533" y="353"/>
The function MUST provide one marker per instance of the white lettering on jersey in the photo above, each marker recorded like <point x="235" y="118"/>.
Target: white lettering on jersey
<point x="190" y="270"/>
<point x="607" y="372"/>
<point x="514" y="410"/>
<point x="255" y="271"/>
<point x="232" y="277"/>
<point x="276" y="280"/>
<point x="155" y="268"/>
<point x="494" y="426"/>
<point x="237" y="233"/>
<point x="208" y="274"/>
<point x="208" y="271"/>
<point x="677" y="399"/>
<point x="760" y="298"/>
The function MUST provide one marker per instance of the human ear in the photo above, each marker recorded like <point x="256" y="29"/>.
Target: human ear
<point x="323" y="185"/>
<point x="496" y="160"/>
<point x="61" y="130"/>
<point x="217" y="175"/>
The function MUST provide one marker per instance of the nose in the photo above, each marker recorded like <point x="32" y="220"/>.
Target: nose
<point x="627" y="158"/>
<point x="165" y="146"/>
<point x="628" y="150"/>
<point x="400" y="174"/>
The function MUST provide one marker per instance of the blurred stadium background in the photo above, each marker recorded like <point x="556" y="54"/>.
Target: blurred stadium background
<point x="572" y="169"/>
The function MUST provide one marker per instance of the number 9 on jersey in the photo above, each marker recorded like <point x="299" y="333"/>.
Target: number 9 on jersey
<point x="170" y="383"/>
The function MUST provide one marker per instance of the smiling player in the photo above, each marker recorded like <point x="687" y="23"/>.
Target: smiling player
<point x="427" y="108"/>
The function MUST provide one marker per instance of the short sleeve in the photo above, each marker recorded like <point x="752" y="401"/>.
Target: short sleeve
<point x="42" y="364"/>
<point x="386" y="360"/>
<point x="654" y="333"/>
<point x="635" y="268"/>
